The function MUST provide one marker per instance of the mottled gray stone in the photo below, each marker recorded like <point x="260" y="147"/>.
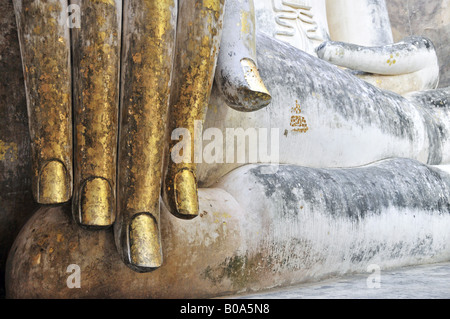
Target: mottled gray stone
<point x="296" y="231"/>
<point x="419" y="282"/>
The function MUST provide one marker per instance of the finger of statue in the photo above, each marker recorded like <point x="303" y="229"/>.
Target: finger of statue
<point x="198" y="37"/>
<point x="410" y="55"/>
<point x="96" y="69"/>
<point x="237" y="74"/>
<point x="149" y="30"/>
<point x="45" y="48"/>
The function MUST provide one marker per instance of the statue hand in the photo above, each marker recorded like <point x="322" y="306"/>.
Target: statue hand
<point x="115" y="164"/>
<point x="108" y="152"/>
<point x="149" y="44"/>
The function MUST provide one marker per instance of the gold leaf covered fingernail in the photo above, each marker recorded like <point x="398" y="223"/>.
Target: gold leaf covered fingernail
<point x="96" y="69"/>
<point x="45" y="52"/>
<point x="186" y="197"/>
<point x="255" y="83"/>
<point x="145" y="243"/>
<point x="96" y="204"/>
<point x="54" y="184"/>
<point x="148" y="49"/>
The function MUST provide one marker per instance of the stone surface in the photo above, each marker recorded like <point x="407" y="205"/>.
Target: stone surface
<point x="418" y="282"/>
<point x="362" y="22"/>
<point x="430" y="19"/>
<point x="17" y="203"/>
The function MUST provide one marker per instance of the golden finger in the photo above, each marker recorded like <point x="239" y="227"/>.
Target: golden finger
<point x="198" y="38"/>
<point x="45" y="48"/>
<point x="149" y="45"/>
<point x="96" y="68"/>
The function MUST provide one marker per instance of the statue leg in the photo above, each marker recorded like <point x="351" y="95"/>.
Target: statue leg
<point x="198" y="38"/>
<point x="96" y="65"/>
<point x="45" y="50"/>
<point x="149" y="44"/>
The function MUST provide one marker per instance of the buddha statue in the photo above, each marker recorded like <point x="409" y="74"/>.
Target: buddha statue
<point x="331" y="171"/>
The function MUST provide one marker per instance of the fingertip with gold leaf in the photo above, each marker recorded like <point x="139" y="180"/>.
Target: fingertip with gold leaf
<point x="237" y="75"/>
<point x="45" y="51"/>
<point x="96" y="68"/>
<point x="147" y="61"/>
<point x="198" y="39"/>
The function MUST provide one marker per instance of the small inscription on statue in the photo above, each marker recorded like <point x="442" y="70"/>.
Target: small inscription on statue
<point x="298" y="122"/>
